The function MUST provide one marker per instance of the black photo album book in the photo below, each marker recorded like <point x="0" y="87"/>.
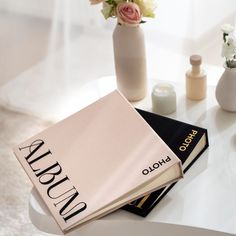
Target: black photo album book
<point x="187" y="141"/>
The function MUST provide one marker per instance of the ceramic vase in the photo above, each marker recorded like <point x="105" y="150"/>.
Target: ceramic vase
<point x="226" y="90"/>
<point x="130" y="61"/>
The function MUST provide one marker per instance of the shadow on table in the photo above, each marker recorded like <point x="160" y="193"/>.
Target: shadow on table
<point x="215" y="119"/>
<point x="223" y="120"/>
<point x="192" y="111"/>
<point x="233" y="142"/>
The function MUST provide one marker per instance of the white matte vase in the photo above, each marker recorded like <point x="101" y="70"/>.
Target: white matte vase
<point x="130" y="61"/>
<point x="226" y="90"/>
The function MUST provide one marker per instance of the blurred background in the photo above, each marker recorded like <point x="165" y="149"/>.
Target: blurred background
<point x="59" y="45"/>
<point x="51" y="49"/>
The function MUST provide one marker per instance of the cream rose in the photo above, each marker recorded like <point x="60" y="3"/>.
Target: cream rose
<point x="93" y="2"/>
<point x="147" y="7"/>
<point x="128" y="13"/>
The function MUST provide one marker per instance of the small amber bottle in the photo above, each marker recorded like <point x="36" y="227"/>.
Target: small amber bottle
<point x="196" y="79"/>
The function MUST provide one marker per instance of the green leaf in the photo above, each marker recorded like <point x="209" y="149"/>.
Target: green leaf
<point x="106" y="11"/>
<point x="111" y="2"/>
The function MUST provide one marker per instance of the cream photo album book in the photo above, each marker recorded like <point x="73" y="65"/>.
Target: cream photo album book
<point x="96" y="161"/>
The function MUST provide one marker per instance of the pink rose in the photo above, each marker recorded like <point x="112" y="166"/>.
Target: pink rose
<point x="128" y="13"/>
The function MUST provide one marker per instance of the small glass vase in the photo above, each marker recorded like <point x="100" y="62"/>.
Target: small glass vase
<point x="226" y="90"/>
<point x="130" y="61"/>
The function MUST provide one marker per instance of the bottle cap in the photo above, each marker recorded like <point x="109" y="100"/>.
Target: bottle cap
<point x="195" y="60"/>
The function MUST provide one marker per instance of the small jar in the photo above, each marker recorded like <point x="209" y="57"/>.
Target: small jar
<point x="163" y="99"/>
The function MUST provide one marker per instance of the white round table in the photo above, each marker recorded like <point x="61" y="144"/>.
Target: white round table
<point x="204" y="199"/>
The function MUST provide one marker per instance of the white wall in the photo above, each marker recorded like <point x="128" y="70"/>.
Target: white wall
<point x="209" y="13"/>
<point x="79" y="11"/>
<point x="29" y="7"/>
<point x="183" y="19"/>
<point x="192" y="18"/>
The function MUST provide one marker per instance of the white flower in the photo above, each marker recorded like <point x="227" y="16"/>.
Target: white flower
<point x="147" y="7"/>
<point x="229" y="48"/>
<point x="227" y="28"/>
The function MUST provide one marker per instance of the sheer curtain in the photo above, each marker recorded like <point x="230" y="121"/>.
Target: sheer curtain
<point x="79" y="47"/>
<point x="74" y="52"/>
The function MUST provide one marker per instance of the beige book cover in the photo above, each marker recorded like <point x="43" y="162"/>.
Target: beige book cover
<point x="96" y="161"/>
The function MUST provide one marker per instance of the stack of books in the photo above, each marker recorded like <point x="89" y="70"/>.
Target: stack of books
<point x="107" y="156"/>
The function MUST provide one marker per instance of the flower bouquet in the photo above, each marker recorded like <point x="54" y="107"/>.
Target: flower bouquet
<point x="226" y="86"/>
<point x="128" y="44"/>
<point x="128" y="12"/>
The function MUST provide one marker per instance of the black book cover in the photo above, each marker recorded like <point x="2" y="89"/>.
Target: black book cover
<point x="185" y="141"/>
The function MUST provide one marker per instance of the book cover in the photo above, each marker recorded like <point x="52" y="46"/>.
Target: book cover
<point x="96" y="161"/>
<point x="187" y="141"/>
